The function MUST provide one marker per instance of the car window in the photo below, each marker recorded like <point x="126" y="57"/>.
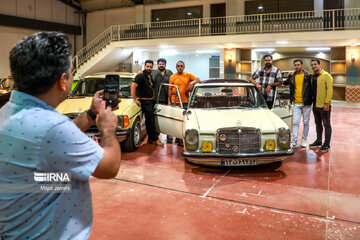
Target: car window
<point x="88" y="86"/>
<point x="226" y="97"/>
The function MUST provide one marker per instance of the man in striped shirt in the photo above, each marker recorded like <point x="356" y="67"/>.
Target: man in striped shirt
<point x="269" y="77"/>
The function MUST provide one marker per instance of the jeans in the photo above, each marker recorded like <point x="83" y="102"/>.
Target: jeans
<point x="301" y="110"/>
<point x="322" y="118"/>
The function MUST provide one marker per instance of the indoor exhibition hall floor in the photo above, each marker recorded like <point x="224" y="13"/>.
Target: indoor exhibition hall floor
<point x="158" y="195"/>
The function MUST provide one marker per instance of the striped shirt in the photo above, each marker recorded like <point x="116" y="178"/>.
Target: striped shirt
<point x="267" y="78"/>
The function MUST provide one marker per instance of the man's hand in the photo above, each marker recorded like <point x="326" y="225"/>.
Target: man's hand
<point x="191" y="87"/>
<point x="106" y="120"/>
<point x="139" y="72"/>
<point x="326" y="107"/>
<point x="268" y="89"/>
<point x="137" y="102"/>
<point x="290" y="73"/>
<point x="258" y="86"/>
<point x="98" y="98"/>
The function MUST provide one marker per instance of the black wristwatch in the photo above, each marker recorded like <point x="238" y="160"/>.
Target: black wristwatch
<point x="91" y="114"/>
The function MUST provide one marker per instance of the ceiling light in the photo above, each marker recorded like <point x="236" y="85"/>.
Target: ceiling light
<point x="260" y="7"/>
<point x="282" y="42"/>
<point x="264" y="50"/>
<point x="189" y="13"/>
<point x="318" y="49"/>
<point x="157" y="19"/>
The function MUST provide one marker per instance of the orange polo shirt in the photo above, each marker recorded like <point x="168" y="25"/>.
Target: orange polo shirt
<point x="182" y="81"/>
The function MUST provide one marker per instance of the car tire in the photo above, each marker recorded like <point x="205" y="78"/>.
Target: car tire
<point x="133" y="140"/>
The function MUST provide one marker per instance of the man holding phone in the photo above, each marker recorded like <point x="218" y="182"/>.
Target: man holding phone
<point x="146" y="99"/>
<point x="35" y="138"/>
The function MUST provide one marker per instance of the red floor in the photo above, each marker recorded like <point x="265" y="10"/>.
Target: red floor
<point x="158" y="195"/>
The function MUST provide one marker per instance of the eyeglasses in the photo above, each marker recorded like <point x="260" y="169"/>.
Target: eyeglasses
<point x="179" y="65"/>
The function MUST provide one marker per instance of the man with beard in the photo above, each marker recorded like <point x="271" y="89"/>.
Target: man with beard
<point x="270" y="77"/>
<point x="146" y="99"/>
<point x="162" y="75"/>
<point x="322" y="92"/>
<point x="300" y="95"/>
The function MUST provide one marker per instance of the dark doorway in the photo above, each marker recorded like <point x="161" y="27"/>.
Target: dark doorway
<point x="337" y="14"/>
<point x="218" y="24"/>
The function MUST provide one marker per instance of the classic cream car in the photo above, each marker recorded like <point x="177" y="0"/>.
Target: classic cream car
<point x="130" y="129"/>
<point x="227" y="123"/>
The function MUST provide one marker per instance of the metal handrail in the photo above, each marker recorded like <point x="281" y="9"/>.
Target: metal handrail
<point x="348" y="18"/>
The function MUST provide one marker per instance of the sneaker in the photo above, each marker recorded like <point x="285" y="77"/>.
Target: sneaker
<point x="303" y="144"/>
<point x="294" y="145"/>
<point x="324" y="148"/>
<point x="158" y="143"/>
<point x="315" y="144"/>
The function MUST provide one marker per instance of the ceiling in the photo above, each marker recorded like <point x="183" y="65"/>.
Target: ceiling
<point x="93" y="5"/>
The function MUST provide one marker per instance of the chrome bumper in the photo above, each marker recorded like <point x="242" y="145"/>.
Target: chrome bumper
<point x="214" y="159"/>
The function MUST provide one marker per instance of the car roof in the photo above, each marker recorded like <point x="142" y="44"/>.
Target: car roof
<point x="103" y="74"/>
<point x="225" y="82"/>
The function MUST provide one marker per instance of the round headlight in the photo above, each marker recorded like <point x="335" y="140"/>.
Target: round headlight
<point x="191" y="139"/>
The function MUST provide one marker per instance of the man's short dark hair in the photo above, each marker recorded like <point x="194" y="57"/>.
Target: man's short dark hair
<point x="315" y="60"/>
<point x="38" y="61"/>
<point x="297" y="60"/>
<point x="268" y="55"/>
<point x="161" y="60"/>
<point x="181" y="62"/>
<point x="149" y="61"/>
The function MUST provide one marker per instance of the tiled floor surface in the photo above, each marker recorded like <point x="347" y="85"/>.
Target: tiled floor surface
<point x="312" y="195"/>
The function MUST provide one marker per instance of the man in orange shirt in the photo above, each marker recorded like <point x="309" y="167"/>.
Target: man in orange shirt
<point x="185" y="82"/>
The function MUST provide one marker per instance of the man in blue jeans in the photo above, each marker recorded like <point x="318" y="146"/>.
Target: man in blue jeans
<point x="300" y="95"/>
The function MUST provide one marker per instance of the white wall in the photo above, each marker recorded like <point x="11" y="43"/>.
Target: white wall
<point x="352" y="4"/>
<point x="99" y="21"/>
<point x="197" y="64"/>
<point x="46" y="10"/>
<point x="8" y="38"/>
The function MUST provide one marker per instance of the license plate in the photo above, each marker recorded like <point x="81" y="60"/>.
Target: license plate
<point x="238" y="162"/>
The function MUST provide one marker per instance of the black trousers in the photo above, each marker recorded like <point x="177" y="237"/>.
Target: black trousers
<point x="322" y="118"/>
<point x="147" y="107"/>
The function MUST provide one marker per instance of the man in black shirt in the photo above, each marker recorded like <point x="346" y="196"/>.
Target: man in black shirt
<point x="146" y="99"/>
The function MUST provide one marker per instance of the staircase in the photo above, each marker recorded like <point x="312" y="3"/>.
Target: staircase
<point x="103" y="52"/>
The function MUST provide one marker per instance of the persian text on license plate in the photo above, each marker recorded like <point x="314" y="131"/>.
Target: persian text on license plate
<point x="238" y="162"/>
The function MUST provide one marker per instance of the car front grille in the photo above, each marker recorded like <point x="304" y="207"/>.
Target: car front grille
<point x="238" y="140"/>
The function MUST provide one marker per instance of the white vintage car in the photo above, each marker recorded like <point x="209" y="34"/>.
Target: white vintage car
<point x="227" y="123"/>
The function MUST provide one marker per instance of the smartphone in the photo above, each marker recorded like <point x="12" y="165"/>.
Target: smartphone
<point x="111" y="90"/>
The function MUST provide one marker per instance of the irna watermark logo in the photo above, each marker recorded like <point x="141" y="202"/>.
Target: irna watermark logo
<point x="52" y="177"/>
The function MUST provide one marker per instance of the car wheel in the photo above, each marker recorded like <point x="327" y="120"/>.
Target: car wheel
<point x="132" y="142"/>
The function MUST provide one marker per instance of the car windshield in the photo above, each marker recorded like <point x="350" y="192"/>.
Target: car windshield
<point x="226" y="97"/>
<point x="88" y="86"/>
